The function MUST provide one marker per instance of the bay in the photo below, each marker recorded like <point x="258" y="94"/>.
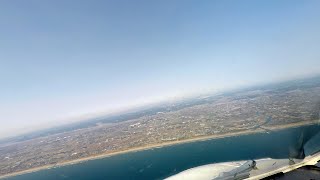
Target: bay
<point x="159" y="163"/>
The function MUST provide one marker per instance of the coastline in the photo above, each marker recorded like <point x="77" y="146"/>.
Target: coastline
<point x="165" y="144"/>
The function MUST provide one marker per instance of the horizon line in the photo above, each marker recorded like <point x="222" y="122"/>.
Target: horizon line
<point x="138" y="106"/>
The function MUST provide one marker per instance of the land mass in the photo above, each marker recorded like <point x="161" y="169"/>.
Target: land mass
<point x="81" y="160"/>
<point x="261" y="109"/>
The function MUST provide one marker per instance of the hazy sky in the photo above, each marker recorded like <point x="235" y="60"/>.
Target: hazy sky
<point x="62" y="59"/>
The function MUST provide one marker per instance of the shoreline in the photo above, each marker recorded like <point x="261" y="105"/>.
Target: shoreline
<point x="161" y="145"/>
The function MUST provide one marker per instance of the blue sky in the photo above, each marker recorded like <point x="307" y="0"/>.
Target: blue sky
<point x="60" y="60"/>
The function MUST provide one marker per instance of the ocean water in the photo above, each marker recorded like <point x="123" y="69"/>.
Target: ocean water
<point x="162" y="162"/>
